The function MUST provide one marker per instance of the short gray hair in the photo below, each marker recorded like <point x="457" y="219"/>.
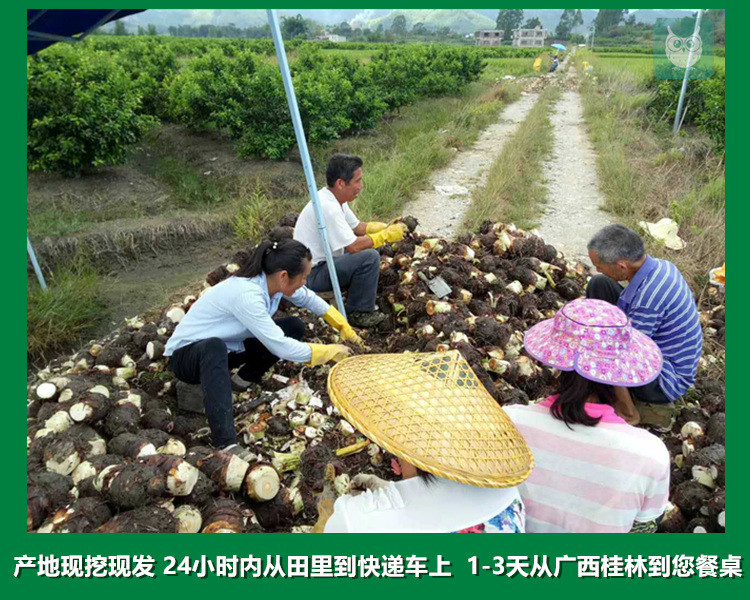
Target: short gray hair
<point x="617" y="242"/>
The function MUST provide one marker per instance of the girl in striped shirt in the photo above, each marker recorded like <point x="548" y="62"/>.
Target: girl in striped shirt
<point x="593" y="471"/>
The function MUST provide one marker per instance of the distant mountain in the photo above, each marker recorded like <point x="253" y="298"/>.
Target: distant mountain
<point x="460" y="20"/>
<point x="551" y="17"/>
<point x="164" y="18"/>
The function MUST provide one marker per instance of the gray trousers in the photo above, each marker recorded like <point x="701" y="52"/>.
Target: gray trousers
<point x="358" y="273"/>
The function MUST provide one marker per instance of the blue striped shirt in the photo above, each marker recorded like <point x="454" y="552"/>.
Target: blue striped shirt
<point x="659" y="303"/>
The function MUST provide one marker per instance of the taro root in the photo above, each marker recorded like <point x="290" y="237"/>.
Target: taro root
<point x="189" y="519"/>
<point x="313" y="463"/>
<point x="63" y="452"/>
<point x="157" y="416"/>
<point x="156" y="436"/>
<point x="155" y="349"/>
<point x="47" y="391"/>
<point x="147" y="519"/>
<point x="144" y="335"/>
<point x="136" y="484"/>
<point x="90" y="408"/>
<point x="203" y="491"/>
<point x="55" y="416"/>
<point x="186" y="424"/>
<point x="525" y="275"/>
<point x="699" y="525"/>
<point x="278" y="427"/>
<point x="715" y="429"/>
<point x="84" y="515"/>
<point x="672" y="521"/>
<point x="131" y="446"/>
<point x="262" y="482"/>
<point x="569" y="289"/>
<point x="288" y="220"/>
<point x="111" y="356"/>
<point x="172" y="447"/>
<point x="218" y="274"/>
<point x="549" y="253"/>
<point x="45" y="492"/>
<point x="85" y="473"/>
<point x="223" y="515"/>
<point x="690" y="496"/>
<point x="715" y="508"/>
<point x="225" y="469"/>
<point x="123" y="418"/>
<point x="281" y="510"/>
<point x="410" y="222"/>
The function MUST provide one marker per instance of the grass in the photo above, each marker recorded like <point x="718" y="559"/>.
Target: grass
<point x="646" y="174"/>
<point x="499" y="67"/>
<point x="515" y="189"/>
<point x="400" y="157"/>
<point x="60" y="317"/>
<point x="641" y="65"/>
<point x="71" y="214"/>
<point x="190" y="188"/>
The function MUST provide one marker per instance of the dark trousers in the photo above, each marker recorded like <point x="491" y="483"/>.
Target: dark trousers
<point x="208" y="363"/>
<point x="601" y="287"/>
<point x="359" y="273"/>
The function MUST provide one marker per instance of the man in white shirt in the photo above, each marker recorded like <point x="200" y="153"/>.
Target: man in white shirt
<point x="352" y="242"/>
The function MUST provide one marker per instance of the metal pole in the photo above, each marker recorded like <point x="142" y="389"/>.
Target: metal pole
<point x="299" y="132"/>
<point x="32" y="256"/>
<point x="677" y="120"/>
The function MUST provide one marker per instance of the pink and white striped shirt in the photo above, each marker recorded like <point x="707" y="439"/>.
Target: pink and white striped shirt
<point x="596" y="479"/>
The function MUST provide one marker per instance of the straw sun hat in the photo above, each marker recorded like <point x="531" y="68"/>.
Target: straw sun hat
<point x="595" y="339"/>
<point x="431" y="410"/>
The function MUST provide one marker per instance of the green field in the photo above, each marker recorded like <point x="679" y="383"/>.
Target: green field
<point x="640" y="64"/>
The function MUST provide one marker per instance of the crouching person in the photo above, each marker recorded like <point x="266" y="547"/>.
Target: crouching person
<point x="352" y="242"/>
<point x="659" y="303"/>
<point x="593" y="472"/>
<point x="232" y="326"/>
<point x="459" y="456"/>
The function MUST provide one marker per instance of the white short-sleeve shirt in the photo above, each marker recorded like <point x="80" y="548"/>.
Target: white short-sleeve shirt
<point x="340" y="222"/>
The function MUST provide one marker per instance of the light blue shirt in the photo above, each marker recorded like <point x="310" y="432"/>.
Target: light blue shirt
<point x="239" y="308"/>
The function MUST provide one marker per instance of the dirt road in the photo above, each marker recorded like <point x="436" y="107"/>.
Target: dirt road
<point x="572" y="214"/>
<point x="441" y="208"/>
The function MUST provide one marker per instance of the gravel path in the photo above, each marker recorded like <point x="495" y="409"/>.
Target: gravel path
<point x="572" y="214"/>
<point x="441" y="208"/>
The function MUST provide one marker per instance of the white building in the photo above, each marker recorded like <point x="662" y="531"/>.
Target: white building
<point x="488" y="37"/>
<point x="533" y="38"/>
<point x="330" y="37"/>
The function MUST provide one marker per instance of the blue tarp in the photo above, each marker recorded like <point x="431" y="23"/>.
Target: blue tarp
<point x="44" y="27"/>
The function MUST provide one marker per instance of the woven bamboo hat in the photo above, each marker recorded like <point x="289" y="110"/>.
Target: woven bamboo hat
<point x="432" y="411"/>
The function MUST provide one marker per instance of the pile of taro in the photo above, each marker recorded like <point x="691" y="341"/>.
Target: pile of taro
<point x="109" y="450"/>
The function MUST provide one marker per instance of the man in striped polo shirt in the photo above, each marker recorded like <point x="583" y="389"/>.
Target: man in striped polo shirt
<point x="659" y="303"/>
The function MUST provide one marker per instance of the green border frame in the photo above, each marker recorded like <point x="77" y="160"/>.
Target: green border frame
<point x="457" y="549"/>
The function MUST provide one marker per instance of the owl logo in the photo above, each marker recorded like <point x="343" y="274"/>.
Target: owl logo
<point x="678" y="48"/>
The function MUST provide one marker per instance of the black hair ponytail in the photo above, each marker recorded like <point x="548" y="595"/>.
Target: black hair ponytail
<point x="574" y="391"/>
<point x="272" y="256"/>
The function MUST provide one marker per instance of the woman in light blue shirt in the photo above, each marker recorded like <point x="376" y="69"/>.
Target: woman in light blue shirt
<point x="232" y="326"/>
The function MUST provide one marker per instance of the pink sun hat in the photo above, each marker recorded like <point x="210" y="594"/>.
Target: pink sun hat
<point x="595" y="339"/>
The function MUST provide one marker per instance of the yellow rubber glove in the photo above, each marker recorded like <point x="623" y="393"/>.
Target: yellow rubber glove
<point x="323" y="353"/>
<point x="336" y="320"/>
<point x="392" y="233"/>
<point x="375" y="226"/>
